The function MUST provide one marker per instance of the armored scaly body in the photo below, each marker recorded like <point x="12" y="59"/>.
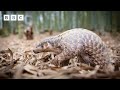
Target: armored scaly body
<point x="77" y="42"/>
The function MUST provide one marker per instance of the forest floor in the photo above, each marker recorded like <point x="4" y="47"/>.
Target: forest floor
<point x="17" y="61"/>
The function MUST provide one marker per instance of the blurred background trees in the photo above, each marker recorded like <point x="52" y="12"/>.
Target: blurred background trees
<point x="61" y="20"/>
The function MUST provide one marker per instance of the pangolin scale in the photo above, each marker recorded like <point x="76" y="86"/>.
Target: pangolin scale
<point x="79" y="42"/>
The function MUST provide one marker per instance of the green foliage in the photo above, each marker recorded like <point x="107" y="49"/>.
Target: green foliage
<point x="64" y="20"/>
<point x="4" y="32"/>
<point x="20" y="30"/>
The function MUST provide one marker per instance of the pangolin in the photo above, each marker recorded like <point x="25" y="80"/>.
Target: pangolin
<point x="83" y="43"/>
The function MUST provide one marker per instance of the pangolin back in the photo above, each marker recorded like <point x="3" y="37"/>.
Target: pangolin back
<point x="88" y="44"/>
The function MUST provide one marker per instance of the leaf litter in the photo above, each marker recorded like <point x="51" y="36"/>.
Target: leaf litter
<point x="17" y="61"/>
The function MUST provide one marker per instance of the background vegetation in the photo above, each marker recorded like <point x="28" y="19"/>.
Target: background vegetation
<point x="62" y="20"/>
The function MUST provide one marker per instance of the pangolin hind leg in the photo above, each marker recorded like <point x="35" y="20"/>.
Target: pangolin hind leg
<point x="83" y="58"/>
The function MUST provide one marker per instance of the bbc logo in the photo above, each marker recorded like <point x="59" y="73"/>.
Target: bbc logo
<point x="13" y="17"/>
